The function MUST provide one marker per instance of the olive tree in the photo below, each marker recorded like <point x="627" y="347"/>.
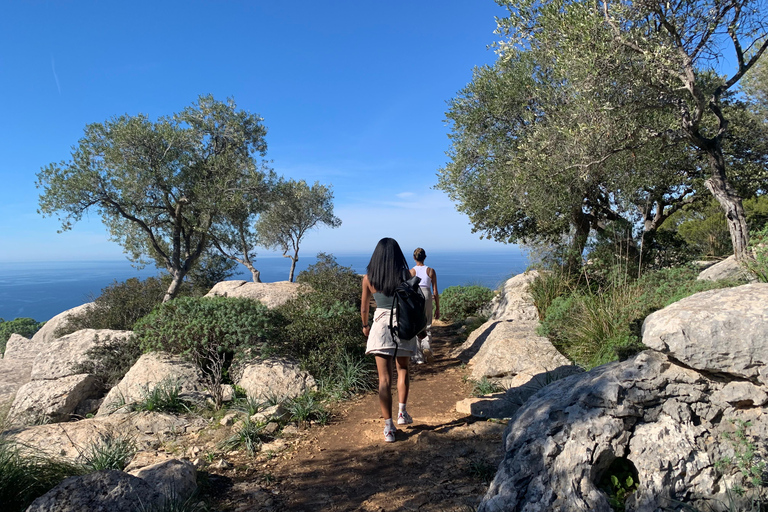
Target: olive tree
<point x="295" y="209"/>
<point x="162" y="186"/>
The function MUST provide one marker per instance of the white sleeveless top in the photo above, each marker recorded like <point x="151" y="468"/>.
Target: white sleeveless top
<point x="421" y="272"/>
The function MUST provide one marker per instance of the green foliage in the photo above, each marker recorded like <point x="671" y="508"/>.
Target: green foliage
<point x="210" y="269"/>
<point x="119" y="306"/>
<point x="26" y="475"/>
<point x="332" y="280"/>
<point x="547" y="287"/>
<point x="482" y="470"/>
<point x="26" y="327"/>
<point x="460" y="302"/>
<point x="319" y="331"/>
<point x="595" y="323"/>
<point x="619" y="481"/>
<point x="307" y="407"/>
<point x="249" y="435"/>
<point x="162" y="188"/>
<point x="758" y="245"/>
<point x="199" y="327"/>
<point x="110" y="360"/>
<point x="109" y="451"/>
<point x="296" y="208"/>
<point x="164" y="397"/>
<point x="746" y="459"/>
<point x="352" y="376"/>
<point x="485" y="387"/>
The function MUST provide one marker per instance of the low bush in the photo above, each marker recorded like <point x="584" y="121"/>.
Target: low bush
<point x="460" y="302"/>
<point x="758" y="245"/>
<point x="318" y="331"/>
<point x="332" y="280"/>
<point x="119" y="306"/>
<point x="26" y="327"/>
<point x="206" y="330"/>
<point x="110" y="361"/>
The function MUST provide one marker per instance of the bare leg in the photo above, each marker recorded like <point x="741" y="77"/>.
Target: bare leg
<point x="384" y="368"/>
<point x="403" y="380"/>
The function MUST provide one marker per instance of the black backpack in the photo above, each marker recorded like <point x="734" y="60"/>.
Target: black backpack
<point x="409" y="305"/>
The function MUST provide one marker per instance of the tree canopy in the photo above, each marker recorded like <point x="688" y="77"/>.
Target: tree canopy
<point x="295" y="209"/>
<point x="161" y="187"/>
<point x="595" y="113"/>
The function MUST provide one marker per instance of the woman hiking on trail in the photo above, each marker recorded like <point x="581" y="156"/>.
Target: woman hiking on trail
<point x="386" y="270"/>
<point x="428" y="288"/>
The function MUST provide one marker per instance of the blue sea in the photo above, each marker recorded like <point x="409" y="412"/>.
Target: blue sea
<point x="41" y="290"/>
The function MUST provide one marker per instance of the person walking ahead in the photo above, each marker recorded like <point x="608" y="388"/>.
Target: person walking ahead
<point x="386" y="270"/>
<point x="428" y="288"/>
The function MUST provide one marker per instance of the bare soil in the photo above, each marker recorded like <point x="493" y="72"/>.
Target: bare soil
<point x="442" y="462"/>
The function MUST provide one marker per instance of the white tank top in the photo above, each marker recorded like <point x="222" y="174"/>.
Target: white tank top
<point x="421" y="272"/>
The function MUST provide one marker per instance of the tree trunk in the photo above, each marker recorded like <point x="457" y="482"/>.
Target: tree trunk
<point x="581" y="227"/>
<point x="254" y="273"/>
<point x="731" y="204"/>
<point x="173" y="289"/>
<point x="294" y="259"/>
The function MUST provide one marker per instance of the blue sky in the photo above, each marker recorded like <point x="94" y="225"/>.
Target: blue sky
<point x="353" y="95"/>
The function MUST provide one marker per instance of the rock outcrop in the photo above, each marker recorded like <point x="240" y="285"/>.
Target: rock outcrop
<point x="656" y="416"/>
<point x="275" y="377"/>
<point x="152" y="370"/>
<point x="269" y="294"/>
<point x="16" y="365"/>
<point x="61" y="356"/>
<point x="47" y="332"/>
<point x="507" y="351"/>
<point x="729" y="268"/>
<point x="52" y="400"/>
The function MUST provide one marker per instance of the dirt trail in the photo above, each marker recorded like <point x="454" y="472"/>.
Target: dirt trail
<point x="442" y="462"/>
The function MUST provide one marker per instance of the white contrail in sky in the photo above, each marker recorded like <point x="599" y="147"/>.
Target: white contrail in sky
<point x="55" y="76"/>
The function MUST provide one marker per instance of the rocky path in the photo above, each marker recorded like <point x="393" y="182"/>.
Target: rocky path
<point x="443" y="462"/>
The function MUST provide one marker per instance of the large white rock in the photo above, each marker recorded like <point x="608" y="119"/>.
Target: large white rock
<point x="60" y="357"/>
<point x="52" y="400"/>
<point x="271" y="295"/>
<point x="729" y="268"/>
<point x="149" y="430"/>
<point x="19" y="347"/>
<point x="148" y="372"/>
<point x="47" y="333"/>
<point x="277" y="377"/>
<point x="16" y="365"/>
<point x="724" y="331"/>
<point x="664" y="419"/>
<point x="513" y="301"/>
<point x="102" y="491"/>
<point x="171" y="478"/>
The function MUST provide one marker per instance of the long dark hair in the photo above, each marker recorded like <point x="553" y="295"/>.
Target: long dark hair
<point x="388" y="266"/>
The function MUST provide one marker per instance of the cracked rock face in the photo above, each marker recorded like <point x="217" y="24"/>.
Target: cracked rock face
<point x="663" y="415"/>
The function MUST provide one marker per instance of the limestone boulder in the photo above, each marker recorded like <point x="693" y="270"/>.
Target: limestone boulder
<point x="664" y="421"/>
<point x="102" y="491"/>
<point x="62" y="355"/>
<point x="20" y="348"/>
<point x="149" y="430"/>
<point x="729" y="268"/>
<point x="275" y="376"/>
<point x="52" y="401"/>
<point x="152" y="370"/>
<point x="513" y="301"/>
<point x="271" y="295"/>
<point x="48" y="332"/>
<point x="172" y="477"/>
<point x="722" y="331"/>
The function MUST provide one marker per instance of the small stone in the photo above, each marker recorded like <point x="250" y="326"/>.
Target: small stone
<point x="222" y="464"/>
<point x="271" y="427"/>
<point x="228" y="419"/>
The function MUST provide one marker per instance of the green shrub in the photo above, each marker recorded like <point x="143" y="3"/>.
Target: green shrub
<point x="548" y="286"/>
<point x="460" y="302"/>
<point x="199" y="328"/>
<point x="26" y="475"/>
<point x="318" y="332"/>
<point x="26" y="327"/>
<point x="353" y="375"/>
<point x="332" y="280"/>
<point x="758" y="244"/>
<point x="305" y="408"/>
<point x="110" y="361"/>
<point x="119" y="306"/>
<point x="485" y="387"/>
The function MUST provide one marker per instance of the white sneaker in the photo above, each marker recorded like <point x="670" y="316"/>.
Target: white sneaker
<point x="389" y="434"/>
<point x="403" y="418"/>
<point x="427" y="351"/>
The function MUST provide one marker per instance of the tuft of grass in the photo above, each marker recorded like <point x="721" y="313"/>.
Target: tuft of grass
<point x="353" y="376"/>
<point x="482" y="470"/>
<point x="250" y="435"/>
<point x="165" y="397"/>
<point x="109" y="451"/>
<point x="27" y="474"/>
<point x="305" y="408"/>
<point x="485" y="387"/>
